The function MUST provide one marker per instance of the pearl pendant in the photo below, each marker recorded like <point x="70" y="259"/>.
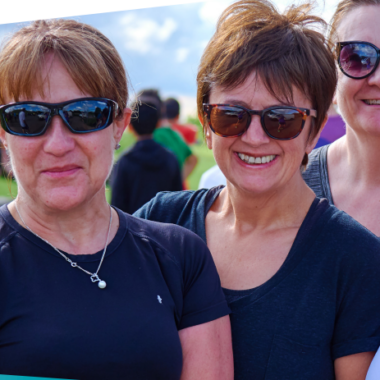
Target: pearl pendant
<point x="102" y="284"/>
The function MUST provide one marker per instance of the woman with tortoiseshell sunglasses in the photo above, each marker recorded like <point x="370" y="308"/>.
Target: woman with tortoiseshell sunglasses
<point x="300" y="276"/>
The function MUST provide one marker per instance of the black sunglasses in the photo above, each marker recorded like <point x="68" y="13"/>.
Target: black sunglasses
<point x="83" y="115"/>
<point x="278" y="122"/>
<point x="357" y="59"/>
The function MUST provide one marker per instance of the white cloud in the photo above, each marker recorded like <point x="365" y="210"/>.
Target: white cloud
<point x="181" y="54"/>
<point x="210" y="11"/>
<point x="143" y="35"/>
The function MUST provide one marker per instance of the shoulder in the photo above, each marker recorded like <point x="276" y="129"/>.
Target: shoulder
<point x="169" y="207"/>
<point x="178" y="243"/>
<point x="316" y="171"/>
<point x="7" y="226"/>
<point x="347" y="237"/>
<point x="317" y="158"/>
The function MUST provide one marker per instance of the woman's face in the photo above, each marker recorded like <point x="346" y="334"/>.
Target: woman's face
<point x="354" y="95"/>
<point x="231" y="154"/>
<point x="62" y="170"/>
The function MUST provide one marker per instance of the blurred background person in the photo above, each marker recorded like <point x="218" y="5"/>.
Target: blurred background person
<point x="211" y="178"/>
<point x="334" y="128"/>
<point x="147" y="167"/>
<point x="172" y="112"/>
<point x="171" y="140"/>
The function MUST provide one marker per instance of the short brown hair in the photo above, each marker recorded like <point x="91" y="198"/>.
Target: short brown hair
<point x="251" y="35"/>
<point x="344" y="7"/>
<point x="89" y="57"/>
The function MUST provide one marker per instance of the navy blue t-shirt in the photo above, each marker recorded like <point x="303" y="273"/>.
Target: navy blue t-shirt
<point x="54" y="322"/>
<point x="142" y="171"/>
<point x="322" y="304"/>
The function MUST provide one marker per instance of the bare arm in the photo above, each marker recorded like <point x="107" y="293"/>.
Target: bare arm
<point x="207" y="351"/>
<point x="189" y="166"/>
<point x="353" y="367"/>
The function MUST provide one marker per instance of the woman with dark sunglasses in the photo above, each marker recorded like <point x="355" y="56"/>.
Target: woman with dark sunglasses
<point x="300" y="276"/>
<point x="346" y="172"/>
<point x="87" y="291"/>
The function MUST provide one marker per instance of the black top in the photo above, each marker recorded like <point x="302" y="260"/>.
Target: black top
<point x="141" y="172"/>
<point x="54" y="322"/>
<point x="322" y="304"/>
<point x="316" y="175"/>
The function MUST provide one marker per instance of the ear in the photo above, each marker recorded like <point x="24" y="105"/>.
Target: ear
<point x="121" y="123"/>
<point x="3" y="138"/>
<point x="207" y="130"/>
<point x="313" y="142"/>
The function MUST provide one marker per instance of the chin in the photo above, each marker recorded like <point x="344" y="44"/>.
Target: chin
<point x="255" y="188"/>
<point x="65" y="199"/>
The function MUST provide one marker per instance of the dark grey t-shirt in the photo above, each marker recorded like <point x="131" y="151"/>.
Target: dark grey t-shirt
<point x="316" y="175"/>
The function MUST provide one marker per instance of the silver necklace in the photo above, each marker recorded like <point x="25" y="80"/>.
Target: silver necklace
<point x="93" y="276"/>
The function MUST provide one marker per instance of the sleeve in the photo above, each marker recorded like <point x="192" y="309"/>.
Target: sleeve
<point x="119" y="186"/>
<point x="357" y="325"/>
<point x="203" y="298"/>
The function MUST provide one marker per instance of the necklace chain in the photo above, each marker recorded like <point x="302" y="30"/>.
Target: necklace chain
<point x="93" y="276"/>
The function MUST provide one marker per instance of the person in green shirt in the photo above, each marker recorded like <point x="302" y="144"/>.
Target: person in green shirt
<point x="173" y="141"/>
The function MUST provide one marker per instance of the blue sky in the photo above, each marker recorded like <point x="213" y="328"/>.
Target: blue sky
<point x="162" y="46"/>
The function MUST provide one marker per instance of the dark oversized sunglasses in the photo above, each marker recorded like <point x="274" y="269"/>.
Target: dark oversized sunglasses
<point x="83" y="115"/>
<point x="357" y="59"/>
<point x="279" y="122"/>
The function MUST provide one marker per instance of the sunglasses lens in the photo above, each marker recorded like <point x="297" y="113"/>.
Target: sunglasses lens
<point x="357" y="59"/>
<point x="283" y="123"/>
<point x="26" y="119"/>
<point x="87" y="115"/>
<point x="228" y="120"/>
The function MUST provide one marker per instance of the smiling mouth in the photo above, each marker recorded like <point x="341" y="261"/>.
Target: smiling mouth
<point x="256" y="160"/>
<point x="372" y="101"/>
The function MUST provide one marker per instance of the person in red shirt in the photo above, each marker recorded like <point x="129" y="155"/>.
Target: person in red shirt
<point x="187" y="131"/>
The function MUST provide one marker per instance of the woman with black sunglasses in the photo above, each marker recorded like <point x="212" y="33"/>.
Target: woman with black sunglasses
<point x="301" y="277"/>
<point x="346" y="172"/>
<point x="87" y="291"/>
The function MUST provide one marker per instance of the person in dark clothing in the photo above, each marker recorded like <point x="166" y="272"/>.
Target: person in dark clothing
<point x="147" y="168"/>
<point x="300" y="276"/>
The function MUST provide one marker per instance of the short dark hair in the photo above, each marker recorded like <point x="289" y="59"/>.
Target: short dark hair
<point x="146" y="115"/>
<point x="172" y="108"/>
<point x="285" y="50"/>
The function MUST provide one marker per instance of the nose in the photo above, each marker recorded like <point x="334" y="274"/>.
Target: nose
<point x="59" y="139"/>
<point x="255" y="134"/>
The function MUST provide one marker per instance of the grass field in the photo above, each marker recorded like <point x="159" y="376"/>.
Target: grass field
<point x="8" y="188"/>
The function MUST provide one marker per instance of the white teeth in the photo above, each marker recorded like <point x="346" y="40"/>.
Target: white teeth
<point x="372" y="101"/>
<point x="256" y="160"/>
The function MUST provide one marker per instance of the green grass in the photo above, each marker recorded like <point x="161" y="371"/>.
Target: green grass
<point x="205" y="161"/>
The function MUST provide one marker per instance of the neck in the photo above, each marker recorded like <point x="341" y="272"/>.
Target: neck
<point x="81" y="230"/>
<point x="274" y="209"/>
<point x="358" y="154"/>
<point x="144" y="137"/>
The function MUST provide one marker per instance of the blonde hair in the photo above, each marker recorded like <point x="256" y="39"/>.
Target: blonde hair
<point x="89" y="57"/>
<point x="342" y="9"/>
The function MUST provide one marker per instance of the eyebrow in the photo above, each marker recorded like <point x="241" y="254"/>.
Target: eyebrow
<point x="242" y="103"/>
